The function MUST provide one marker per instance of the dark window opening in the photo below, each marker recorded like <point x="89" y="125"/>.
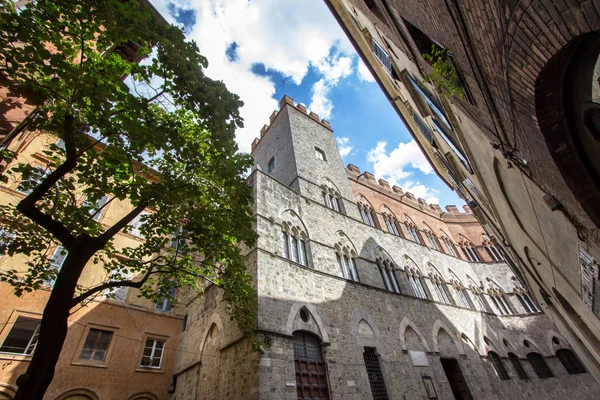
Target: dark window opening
<point x="498" y="366"/>
<point x="570" y="361"/>
<point x="271" y="165"/>
<point x="422" y="41"/>
<point x="539" y="365"/>
<point x="518" y="367"/>
<point x="22" y="337"/>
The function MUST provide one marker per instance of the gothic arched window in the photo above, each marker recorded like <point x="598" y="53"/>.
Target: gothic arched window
<point x="366" y="212"/>
<point x="386" y="269"/>
<point x="416" y="283"/>
<point x="570" y="361"/>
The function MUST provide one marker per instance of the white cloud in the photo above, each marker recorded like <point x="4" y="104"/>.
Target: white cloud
<point x="285" y="35"/>
<point x="396" y="166"/>
<point x="344" y="146"/>
<point x="333" y="69"/>
<point x="363" y="72"/>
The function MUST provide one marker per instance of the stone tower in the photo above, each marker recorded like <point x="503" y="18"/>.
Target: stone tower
<point x="366" y="292"/>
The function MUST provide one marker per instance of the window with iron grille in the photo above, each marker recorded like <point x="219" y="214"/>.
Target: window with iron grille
<point x="516" y="363"/>
<point x="423" y="127"/>
<point x="307" y="346"/>
<point x="498" y="366"/>
<point x="570" y="361"/>
<point x="375" y="375"/>
<point x="539" y="365"/>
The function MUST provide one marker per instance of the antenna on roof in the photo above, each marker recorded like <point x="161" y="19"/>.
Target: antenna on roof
<point x="283" y="81"/>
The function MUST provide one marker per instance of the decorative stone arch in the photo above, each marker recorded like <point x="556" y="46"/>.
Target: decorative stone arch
<point x="360" y="321"/>
<point x="330" y="187"/>
<point x="293" y="325"/>
<point x="470" y="344"/>
<point x="382" y="255"/>
<point x="511" y="348"/>
<point x="78" y="391"/>
<point x="494" y="288"/>
<point x="455" y="281"/>
<point x="145" y="395"/>
<point x="562" y="343"/>
<point x="384" y="209"/>
<point x="406" y="323"/>
<point x="490" y="344"/>
<point x="292" y="224"/>
<point x="464" y="241"/>
<point x="569" y="118"/>
<point x="344" y="245"/>
<point x="455" y="338"/>
<point x="8" y="390"/>
<point x="533" y="346"/>
<point x="411" y="267"/>
<point x="472" y="283"/>
<point x="434" y="274"/>
<point x="214" y="322"/>
<point x="332" y="197"/>
<point x="361" y="200"/>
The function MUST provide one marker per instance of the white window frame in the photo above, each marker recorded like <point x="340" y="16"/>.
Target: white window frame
<point x="97" y="209"/>
<point x="165" y="304"/>
<point x="136" y="224"/>
<point x="153" y="348"/>
<point x="31" y="344"/>
<point x="57" y="263"/>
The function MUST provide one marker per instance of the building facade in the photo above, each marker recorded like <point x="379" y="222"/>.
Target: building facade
<point x="502" y="98"/>
<point x="365" y="292"/>
<point x="119" y="345"/>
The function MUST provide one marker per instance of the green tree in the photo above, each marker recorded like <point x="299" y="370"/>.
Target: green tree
<point x="165" y="143"/>
<point x="443" y="76"/>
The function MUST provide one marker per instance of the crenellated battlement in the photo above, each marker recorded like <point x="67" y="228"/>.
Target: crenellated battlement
<point x="398" y="193"/>
<point x="288" y="101"/>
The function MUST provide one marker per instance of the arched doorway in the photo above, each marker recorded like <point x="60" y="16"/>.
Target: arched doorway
<point x="311" y="371"/>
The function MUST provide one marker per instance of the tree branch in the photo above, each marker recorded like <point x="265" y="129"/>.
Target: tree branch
<point x="27" y="205"/>
<point x="122" y="223"/>
<point x="110" y="285"/>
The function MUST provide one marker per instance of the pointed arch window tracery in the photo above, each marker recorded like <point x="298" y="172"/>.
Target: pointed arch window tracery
<point x="294" y="244"/>
<point x="366" y="212"/>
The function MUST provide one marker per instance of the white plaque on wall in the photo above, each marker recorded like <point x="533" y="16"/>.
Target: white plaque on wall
<point x="419" y="358"/>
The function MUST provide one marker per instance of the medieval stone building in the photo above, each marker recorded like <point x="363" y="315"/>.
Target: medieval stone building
<point x="365" y="292"/>
<point x="503" y="98"/>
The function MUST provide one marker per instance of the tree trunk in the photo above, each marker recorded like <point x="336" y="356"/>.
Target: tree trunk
<point x="53" y="330"/>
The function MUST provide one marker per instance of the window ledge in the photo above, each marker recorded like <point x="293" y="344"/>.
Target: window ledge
<point x="82" y="363"/>
<point x="14" y="357"/>
<point x="150" y="369"/>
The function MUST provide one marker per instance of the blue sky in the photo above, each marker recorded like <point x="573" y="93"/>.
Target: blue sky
<point x="253" y="45"/>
